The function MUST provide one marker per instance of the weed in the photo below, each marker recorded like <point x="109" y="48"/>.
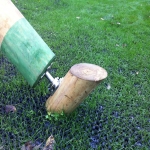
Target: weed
<point x="50" y="116"/>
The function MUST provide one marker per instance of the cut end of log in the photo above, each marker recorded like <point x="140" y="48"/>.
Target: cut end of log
<point x="88" y="72"/>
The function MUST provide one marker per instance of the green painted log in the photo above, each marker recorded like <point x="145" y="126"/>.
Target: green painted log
<point x="27" y="51"/>
<point x="21" y="43"/>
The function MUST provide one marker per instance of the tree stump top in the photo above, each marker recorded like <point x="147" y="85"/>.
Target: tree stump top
<point x="88" y="72"/>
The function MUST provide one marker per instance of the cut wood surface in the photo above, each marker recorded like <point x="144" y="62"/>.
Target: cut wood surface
<point x="80" y="80"/>
<point x="9" y="14"/>
<point x="88" y="72"/>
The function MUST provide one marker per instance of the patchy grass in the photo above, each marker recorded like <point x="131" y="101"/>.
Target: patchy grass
<point x="112" y="34"/>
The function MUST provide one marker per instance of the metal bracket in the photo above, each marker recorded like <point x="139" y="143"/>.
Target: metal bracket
<point x="55" y="81"/>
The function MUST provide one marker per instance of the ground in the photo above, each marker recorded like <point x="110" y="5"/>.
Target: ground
<point x="116" y="115"/>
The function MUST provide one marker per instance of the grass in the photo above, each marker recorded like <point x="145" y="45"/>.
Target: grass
<point x="112" y="34"/>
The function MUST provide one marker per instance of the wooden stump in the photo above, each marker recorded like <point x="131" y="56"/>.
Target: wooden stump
<point x="80" y="80"/>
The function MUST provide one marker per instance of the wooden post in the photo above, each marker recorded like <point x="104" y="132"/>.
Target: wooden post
<point x="22" y="45"/>
<point x="80" y="80"/>
<point x="9" y="15"/>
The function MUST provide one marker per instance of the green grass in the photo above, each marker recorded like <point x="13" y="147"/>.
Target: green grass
<point x="112" y="34"/>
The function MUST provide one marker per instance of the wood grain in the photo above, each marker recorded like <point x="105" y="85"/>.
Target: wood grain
<point x="88" y="71"/>
<point x="9" y="14"/>
<point x="24" y="48"/>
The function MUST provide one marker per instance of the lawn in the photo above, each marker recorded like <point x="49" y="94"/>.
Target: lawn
<point x="116" y="115"/>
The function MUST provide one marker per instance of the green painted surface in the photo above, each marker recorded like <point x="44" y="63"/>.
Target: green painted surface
<point x="27" y="51"/>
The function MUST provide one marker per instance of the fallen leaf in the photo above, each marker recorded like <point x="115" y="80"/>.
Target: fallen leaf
<point x="27" y="146"/>
<point x="118" y="23"/>
<point x="124" y="45"/>
<point x="10" y="108"/>
<point x="78" y="17"/>
<point x="50" y="143"/>
<point x="108" y="87"/>
<point x="30" y="146"/>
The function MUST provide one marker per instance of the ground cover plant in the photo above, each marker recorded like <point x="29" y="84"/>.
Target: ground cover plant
<point x="116" y="115"/>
